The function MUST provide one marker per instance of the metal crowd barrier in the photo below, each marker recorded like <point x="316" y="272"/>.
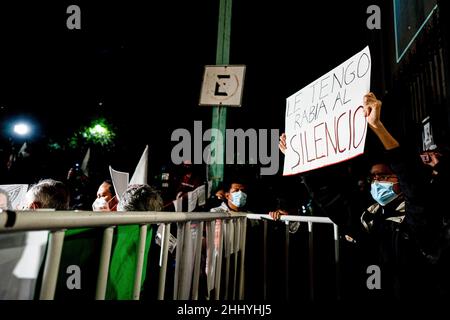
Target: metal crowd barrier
<point x="186" y="284"/>
<point x="58" y="221"/>
<point x="310" y="220"/>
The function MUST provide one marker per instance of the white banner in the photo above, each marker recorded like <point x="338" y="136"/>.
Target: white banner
<point x="325" y="122"/>
<point x="14" y="198"/>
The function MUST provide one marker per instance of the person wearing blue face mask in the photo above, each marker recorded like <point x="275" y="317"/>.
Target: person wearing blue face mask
<point x="400" y="231"/>
<point x="234" y="200"/>
<point x="385" y="190"/>
<point x="403" y="226"/>
<point x="384" y="186"/>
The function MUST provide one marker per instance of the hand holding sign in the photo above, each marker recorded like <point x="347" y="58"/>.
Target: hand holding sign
<point x="282" y="145"/>
<point x="372" y="110"/>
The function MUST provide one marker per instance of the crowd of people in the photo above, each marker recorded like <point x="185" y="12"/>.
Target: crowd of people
<point x="397" y="215"/>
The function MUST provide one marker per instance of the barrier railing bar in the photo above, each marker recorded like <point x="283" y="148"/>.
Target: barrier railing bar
<point x="197" y="262"/>
<point x="265" y="259"/>
<point x="228" y="233"/>
<point x="57" y="220"/>
<point x="312" y="219"/>
<point x="50" y="277"/>
<point x="139" y="261"/>
<point x="219" y="261"/>
<point x="185" y="268"/>
<point x="337" y="261"/>
<point x="180" y="248"/>
<point x="210" y="249"/>
<point x="242" y="270"/>
<point x="237" y="242"/>
<point x="103" y="270"/>
<point x="311" y="259"/>
<point x="286" y="261"/>
<point x="163" y="260"/>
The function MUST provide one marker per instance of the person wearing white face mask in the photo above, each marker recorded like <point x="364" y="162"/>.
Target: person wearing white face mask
<point x="106" y="198"/>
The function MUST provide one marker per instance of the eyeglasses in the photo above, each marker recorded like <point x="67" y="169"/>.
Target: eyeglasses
<point x="379" y="177"/>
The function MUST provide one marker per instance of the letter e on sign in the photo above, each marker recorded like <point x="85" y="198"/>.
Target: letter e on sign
<point x="222" y="86"/>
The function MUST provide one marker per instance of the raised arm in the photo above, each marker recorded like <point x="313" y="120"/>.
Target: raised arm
<point x="372" y="110"/>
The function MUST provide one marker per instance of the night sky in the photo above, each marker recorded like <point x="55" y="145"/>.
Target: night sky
<point x="140" y="66"/>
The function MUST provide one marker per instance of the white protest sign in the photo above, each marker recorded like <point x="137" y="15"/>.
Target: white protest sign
<point x="140" y="173"/>
<point x="32" y="256"/>
<point x="119" y="180"/>
<point x="325" y="121"/>
<point x="178" y="204"/>
<point x="192" y="200"/>
<point x="201" y="193"/>
<point x="15" y="196"/>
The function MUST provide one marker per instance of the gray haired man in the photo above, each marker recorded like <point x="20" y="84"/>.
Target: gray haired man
<point x="48" y="194"/>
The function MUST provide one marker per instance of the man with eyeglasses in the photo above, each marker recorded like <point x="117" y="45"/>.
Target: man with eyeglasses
<point x="385" y="190"/>
<point x="400" y="229"/>
<point x="400" y="220"/>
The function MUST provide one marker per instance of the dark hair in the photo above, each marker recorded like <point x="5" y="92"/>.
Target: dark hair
<point x="111" y="187"/>
<point x="228" y="182"/>
<point x="376" y="158"/>
<point x="140" y="197"/>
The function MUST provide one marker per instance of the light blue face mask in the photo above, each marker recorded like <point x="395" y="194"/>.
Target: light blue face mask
<point x="383" y="192"/>
<point x="239" y="198"/>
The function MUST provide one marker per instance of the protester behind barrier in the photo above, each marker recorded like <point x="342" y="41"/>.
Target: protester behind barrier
<point x="21" y="254"/>
<point x="138" y="197"/>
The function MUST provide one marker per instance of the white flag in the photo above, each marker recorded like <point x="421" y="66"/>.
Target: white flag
<point x="119" y="180"/>
<point x="140" y="173"/>
<point x="23" y="150"/>
<point x="84" y="164"/>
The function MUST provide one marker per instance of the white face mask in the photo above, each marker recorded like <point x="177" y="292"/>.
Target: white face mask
<point x="100" y="204"/>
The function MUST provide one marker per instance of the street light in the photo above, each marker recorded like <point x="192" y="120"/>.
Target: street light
<point x="21" y="129"/>
<point x="99" y="130"/>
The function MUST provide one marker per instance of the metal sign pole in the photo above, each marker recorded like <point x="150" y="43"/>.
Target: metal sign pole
<point x="219" y="113"/>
